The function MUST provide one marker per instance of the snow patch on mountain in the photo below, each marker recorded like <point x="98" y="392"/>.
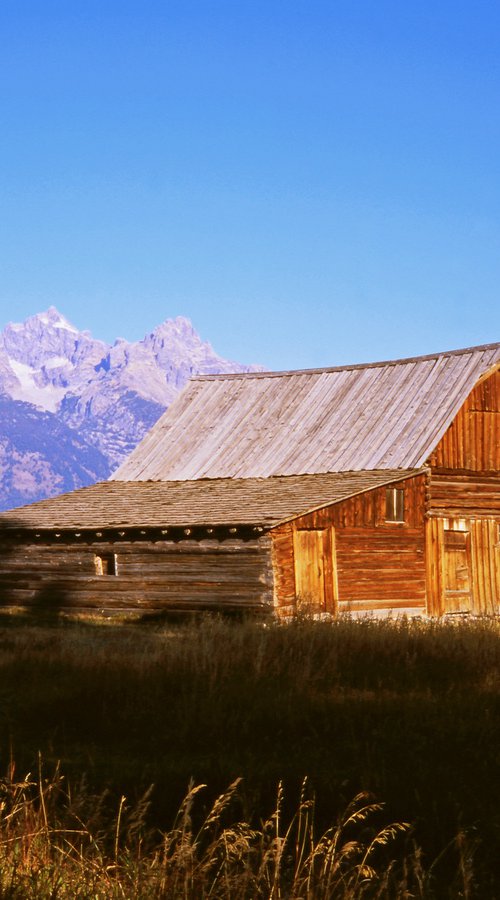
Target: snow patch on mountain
<point x="46" y="397"/>
<point x="54" y="319"/>
<point x="57" y="362"/>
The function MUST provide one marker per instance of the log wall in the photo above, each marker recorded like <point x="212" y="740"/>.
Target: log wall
<point x="458" y="494"/>
<point x="208" y="574"/>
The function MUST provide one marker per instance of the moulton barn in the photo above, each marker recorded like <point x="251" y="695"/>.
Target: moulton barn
<point x="362" y="488"/>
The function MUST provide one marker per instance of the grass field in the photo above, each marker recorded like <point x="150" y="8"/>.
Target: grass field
<point x="407" y="713"/>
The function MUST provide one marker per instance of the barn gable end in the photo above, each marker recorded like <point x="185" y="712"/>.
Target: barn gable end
<point x="463" y="507"/>
<point x="370" y="562"/>
<point x="471" y="443"/>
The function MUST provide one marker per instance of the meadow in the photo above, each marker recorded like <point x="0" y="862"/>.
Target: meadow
<point x="225" y="759"/>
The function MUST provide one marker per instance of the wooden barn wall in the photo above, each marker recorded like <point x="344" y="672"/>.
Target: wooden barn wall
<point x="468" y="503"/>
<point x="472" y="442"/>
<point x="162" y="575"/>
<point x="380" y="564"/>
<point x="480" y="592"/>
<point x="463" y="496"/>
<point x="458" y="494"/>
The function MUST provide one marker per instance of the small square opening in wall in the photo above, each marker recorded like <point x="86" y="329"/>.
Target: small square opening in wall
<point x="106" y="564"/>
<point x="394" y="505"/>
<point x="455" y="540"/>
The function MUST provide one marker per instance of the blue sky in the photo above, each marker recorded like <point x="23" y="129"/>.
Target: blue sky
<point x="312" y="183"/>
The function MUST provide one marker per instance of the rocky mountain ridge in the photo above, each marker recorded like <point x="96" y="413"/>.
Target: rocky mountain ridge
<point x="73" y="407"/>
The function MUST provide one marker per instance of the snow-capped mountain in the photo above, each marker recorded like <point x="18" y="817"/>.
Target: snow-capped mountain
<point x="42" y="358"/>
<point x="104" y="397"/>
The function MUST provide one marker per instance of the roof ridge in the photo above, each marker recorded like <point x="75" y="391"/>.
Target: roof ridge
<point x="351" y="366"/>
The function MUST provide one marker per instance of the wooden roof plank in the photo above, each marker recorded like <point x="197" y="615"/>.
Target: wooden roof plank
<point x="378" y="416"/>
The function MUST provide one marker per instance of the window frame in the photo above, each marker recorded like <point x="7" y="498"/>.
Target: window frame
<point x="102" y="564"/>
<point x="395" y="513"/>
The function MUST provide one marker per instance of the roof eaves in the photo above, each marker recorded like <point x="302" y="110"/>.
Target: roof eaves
<point x="107" y="530"/>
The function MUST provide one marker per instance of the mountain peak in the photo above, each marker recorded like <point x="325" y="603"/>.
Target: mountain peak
<point x="53" y="317"/>
<point x="46" y="361"/>
<point x="180" y="325"/>
<point x="108" y="397"/>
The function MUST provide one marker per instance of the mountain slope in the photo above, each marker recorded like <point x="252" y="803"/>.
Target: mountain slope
<point x="40" y="456"/>
<point x="73" y="407"/>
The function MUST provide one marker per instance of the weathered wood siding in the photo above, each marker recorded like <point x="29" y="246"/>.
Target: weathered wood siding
<point x="378" y="565"/>
<point x="466" y="578"/>
<point x="472" y="442"/>
<point x="160" y="575"/>
<point x="463" y="508"/>
<point x="457" y="494"/>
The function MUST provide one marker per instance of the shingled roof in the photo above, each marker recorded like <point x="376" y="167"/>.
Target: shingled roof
<point x="387" y="415"/>
<point x="225" y="501"/>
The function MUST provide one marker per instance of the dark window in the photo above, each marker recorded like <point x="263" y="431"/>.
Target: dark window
<point x="106" y="564"/>
<point x="394" y="505"/>
<point x="455" y="540"/>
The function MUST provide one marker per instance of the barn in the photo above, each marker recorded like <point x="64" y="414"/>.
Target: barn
<point x="354" y="489"/>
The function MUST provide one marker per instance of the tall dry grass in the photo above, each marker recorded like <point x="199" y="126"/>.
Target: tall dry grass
<point x="62" y="845"/>
<point x="406" y="711"/>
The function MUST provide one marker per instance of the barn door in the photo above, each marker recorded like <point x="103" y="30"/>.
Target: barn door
<point x="314" y="563"/>
<point x="457" y="571"/>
